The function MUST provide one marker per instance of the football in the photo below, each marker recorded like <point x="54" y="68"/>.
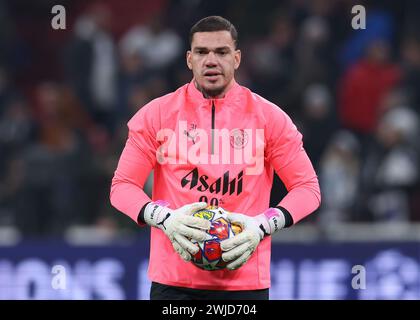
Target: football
<point x="209" y="255"/>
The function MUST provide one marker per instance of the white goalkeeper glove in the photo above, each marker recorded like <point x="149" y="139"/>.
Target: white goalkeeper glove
<point x="239" y="249"/>
<point x="179" y="225"/>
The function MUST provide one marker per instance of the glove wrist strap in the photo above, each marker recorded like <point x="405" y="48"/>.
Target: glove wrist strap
<point x="156" y="213"/>
<point x="271" y="220"/>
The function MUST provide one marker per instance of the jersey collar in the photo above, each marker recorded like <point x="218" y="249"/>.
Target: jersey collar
<point x="231" y="96"/>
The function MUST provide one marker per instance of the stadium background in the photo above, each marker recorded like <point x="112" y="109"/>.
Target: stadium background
<point x="66" y="95"/>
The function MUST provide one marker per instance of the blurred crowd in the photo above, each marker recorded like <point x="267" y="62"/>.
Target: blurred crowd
<point x="354" y="94"/>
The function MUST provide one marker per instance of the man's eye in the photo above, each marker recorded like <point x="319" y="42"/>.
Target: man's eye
<point x="222" y="53"/>
<point x="201" y="52"/>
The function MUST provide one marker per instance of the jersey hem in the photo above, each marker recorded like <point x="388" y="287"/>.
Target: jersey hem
<point x="204" y="286"/>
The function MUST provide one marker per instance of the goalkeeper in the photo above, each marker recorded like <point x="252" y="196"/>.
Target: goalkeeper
<point x="178" y="135"/>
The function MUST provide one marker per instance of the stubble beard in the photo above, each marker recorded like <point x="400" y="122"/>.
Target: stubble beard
<point x="211" y="93"/>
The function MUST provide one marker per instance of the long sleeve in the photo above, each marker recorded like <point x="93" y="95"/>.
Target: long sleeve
<point x="294" y="168"/>
<point x="135" y="164"/>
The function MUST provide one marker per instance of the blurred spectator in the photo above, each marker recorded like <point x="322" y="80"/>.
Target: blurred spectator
<point x="157" y="45"/>
<point x="14" y="55"/>
<point x="11" y="183"/>
<point x="16" y="126"/>
<point x="313" y="54"/>
<point x="391" y="171"/>
<point x="16" y="132"/>
<point x="318" y="123"/>
<point x="381" y="26"/>
<point x="5" y="88"/>
<point x="395" y="98"/>
<point x="363" y="87"/>
<point x="132" y="73"/>
<point x="411" y="69"/>
<point x="339" y="177"/>
<point x="148" y="54"/>
<point x="91" y="64"/>
<point x="271" y="60"/>
<point x="48" y="199"/>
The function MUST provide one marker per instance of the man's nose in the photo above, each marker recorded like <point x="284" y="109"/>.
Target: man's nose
<point x="211" y="59"/>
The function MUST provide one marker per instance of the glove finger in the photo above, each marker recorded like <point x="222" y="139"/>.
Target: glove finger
<point x="239" y="262"/>
<point x="236" y="218"/>
<point x="196" y="222"/>
<point x="192" y="207"/>
<point x="237" y="240"/>
<point x="236" y="252"/>
<point x="186" y="244"/>
<point x="182" y="252"/>
<point x="191" y="233"/>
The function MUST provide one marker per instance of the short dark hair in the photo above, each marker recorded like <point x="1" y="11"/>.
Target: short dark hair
<point x="215" y="23"/>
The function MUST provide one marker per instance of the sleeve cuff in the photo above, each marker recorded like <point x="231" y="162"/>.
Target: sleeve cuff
<point x="140" y="217"/>
<point x="287" y="217"/>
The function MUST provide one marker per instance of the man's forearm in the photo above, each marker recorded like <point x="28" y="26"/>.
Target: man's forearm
<point x="128" y="198"/>
<point x="300" y="202"/>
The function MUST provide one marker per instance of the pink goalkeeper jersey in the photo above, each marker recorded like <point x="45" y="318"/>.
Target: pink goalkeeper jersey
<point x="222" y="151"/>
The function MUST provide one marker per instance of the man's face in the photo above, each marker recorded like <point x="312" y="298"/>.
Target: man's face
<point x="213" y="61"/>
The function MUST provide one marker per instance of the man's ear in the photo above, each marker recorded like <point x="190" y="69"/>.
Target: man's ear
<point x="237" y="59"/>
<point x="188" y="58"/>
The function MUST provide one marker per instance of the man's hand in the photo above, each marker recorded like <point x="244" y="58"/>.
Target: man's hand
<point x="239" y="249"/>
<point x="179" y="225"/>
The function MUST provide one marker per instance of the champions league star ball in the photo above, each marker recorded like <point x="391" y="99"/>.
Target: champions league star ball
<point x="209" y="255"/>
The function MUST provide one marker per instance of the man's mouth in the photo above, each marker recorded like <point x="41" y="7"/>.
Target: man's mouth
<point x="212" y="75"/>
